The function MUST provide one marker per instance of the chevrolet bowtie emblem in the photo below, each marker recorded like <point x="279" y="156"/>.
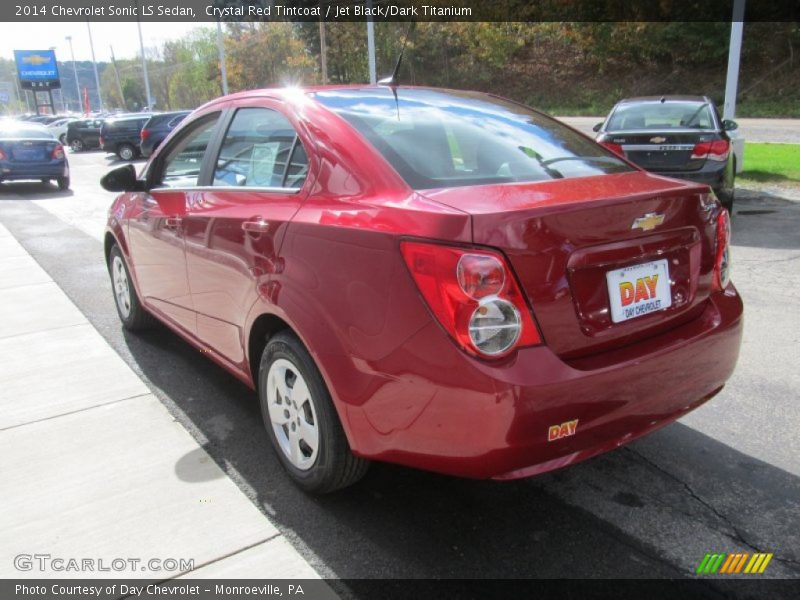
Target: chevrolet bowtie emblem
<point x="658" y="140"/>
<point x="35" y="59"/>
<point x="648" y="221"/>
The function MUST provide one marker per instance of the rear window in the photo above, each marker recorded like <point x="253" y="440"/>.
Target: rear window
<point x="25" y="133"/>
<point x="661" y="115"/>
<point x="449" y="139"/>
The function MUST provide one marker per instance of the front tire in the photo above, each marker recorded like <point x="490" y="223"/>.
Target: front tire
<point x="129" y="308"/>
<point x="301" y="420"/>
<point x="63" y="139"/>
<point x="76" y="145"/>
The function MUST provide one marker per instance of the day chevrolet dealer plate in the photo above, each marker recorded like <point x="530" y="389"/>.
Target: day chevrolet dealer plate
<point x="638" y="290"/>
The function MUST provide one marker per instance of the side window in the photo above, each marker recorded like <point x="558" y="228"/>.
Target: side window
<point x="261" y="149"/>
<point x="181" y="167"/>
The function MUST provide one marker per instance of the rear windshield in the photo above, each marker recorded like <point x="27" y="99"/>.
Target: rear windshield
<point x="661" y="115"/>
<point x="448" y="139"/>
<point x="25" y="133"/>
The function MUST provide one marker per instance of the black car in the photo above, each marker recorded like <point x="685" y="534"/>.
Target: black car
<point x="158" y="128"/>
<point x="84" y="134"/>
<point x="676" y="136"/>
<point x="121" y="136"/>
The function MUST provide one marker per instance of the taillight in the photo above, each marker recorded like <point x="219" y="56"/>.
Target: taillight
<point x="474" y="295"/>
<point x="616" y="148"/>
<point x="58" y="152"/>
<point x="144" y="134"/>
<point x="722" y="261"/>
<point x="3" y="155"/>
<point x="102" y="142"/>
<point x="717" y="150"/>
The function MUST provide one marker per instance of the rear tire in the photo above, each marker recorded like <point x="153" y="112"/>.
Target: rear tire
<point x="63" y="183"/>
<point x="126" y="152"/>
<point x="301" y="420"/>
<point x="63" y="139"/>
<point x="76" y="145"/>
<point x="129" y="308"/>
<point x="726" y="199"/>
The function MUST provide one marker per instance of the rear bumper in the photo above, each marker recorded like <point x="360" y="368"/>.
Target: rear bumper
<point x="149" y="145"/>
<point x="15" y="171"/>
<point x="465" y="417"/>
<point x="711" y="174"/>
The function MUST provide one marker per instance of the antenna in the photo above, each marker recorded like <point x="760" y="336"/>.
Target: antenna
<point x="392" y="80"/>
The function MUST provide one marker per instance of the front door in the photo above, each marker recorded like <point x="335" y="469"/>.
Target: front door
<point x="156" y="231"/>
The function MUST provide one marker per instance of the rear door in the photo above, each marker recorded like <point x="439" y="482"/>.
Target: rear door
<point x="235" y="226"/>
<point x="156" y="228"/>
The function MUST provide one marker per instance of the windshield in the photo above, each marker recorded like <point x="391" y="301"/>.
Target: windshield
<point x="661" y="115"/>
<point x="448" y="139"/>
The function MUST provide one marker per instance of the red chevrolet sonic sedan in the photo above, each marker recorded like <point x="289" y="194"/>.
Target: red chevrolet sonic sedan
<point x="441" y="279"/>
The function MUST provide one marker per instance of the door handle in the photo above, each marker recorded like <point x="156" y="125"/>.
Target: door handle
<point x="257" y="226"/>
<point x="173" y="222"/>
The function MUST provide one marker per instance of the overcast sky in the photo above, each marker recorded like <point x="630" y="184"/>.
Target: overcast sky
<point x="123" y="36"/>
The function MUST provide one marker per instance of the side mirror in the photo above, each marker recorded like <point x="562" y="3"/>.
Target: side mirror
<point x="122" y="179"/>
<point x="597" y="127"/>
<point x="729" y="125"/>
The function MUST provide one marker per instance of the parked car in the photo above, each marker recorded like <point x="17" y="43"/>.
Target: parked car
<point x="29" y="151"/>
<point x="677" y="136"/>
<point x="59" y="128"/>
<point x="84" y="134"/>
<point x="43" y="119"/>
<point x="121" y="136"/>
<point x="157" y="128"/>
<point x="441" y="279"/>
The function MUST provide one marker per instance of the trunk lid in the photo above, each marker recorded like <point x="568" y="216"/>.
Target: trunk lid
<point x="27" y="151"/>
<point x="663" y="151"/>
<point x="562" y="237"/>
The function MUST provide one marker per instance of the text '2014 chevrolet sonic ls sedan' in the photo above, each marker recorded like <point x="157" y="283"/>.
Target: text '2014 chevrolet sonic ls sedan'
<point x="440" y="279"/>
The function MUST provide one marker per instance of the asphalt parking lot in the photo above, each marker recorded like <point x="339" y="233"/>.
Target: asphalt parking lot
<point x="725" y="478"/>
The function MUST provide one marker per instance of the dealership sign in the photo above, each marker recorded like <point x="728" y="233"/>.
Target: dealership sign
<point x="37" y="69"/>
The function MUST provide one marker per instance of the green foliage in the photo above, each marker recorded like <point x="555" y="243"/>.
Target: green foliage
<point x="562" y="67"/>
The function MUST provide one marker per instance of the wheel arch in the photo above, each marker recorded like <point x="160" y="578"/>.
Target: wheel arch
<point x="266" y="325"/>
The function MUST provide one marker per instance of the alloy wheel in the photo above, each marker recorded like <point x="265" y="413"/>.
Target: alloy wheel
<point x="122" y="292"/>
<point x="292" y="414"/>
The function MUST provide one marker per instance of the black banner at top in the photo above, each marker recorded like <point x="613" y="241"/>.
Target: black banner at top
<point x="395" y="10"/>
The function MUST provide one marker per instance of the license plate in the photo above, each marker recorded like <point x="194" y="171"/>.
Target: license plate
<point x="639" y="290"/>
<point x="27" y="154"/>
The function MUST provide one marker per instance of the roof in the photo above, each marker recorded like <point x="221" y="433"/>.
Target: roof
<point x="672" y="98"/>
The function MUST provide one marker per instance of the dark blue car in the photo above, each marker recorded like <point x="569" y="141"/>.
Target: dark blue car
<point x="29" y="151"/>
<point x="158" y="128"/>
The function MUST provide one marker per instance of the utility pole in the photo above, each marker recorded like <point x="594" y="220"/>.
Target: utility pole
<point x="119" y="84"/>
<point x="74" y="72"/>
<point x="323" y="52"/>
<point x="94" y="64"/>
<point x="734" y="53"/>
<point x="222" y="66"/>
<point x="373" y="77"/>
<point x="144" y="61"/>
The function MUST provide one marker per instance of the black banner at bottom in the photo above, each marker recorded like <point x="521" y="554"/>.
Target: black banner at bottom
<point x="417" y="589"/>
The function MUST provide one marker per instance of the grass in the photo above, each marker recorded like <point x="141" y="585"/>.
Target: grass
<point x="771" y="162"/>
